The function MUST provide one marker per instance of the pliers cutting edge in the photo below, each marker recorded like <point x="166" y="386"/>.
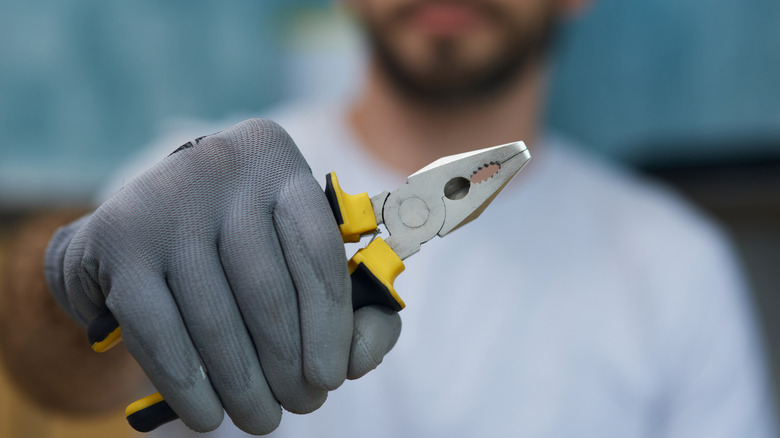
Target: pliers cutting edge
<point x="437" y="199"/>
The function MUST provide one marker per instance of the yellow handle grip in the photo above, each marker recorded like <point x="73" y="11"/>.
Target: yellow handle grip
<point x="149" y="413"/>
<point x="104" y="333"/>
<point x="373" y="270"/>
<point x="354" y="213"/>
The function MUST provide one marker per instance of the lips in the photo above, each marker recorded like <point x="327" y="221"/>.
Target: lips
<point x="445" y="19"/>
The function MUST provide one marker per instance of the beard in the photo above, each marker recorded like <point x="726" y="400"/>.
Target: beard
<point x="448" y="78"/>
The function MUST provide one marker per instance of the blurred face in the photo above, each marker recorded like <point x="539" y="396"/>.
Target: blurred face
<point x="448" y="51"/>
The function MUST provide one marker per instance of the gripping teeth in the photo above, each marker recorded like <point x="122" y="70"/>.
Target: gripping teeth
<point x="485" y="172"/>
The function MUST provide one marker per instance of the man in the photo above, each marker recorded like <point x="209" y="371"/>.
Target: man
<point x="584" y="302"/>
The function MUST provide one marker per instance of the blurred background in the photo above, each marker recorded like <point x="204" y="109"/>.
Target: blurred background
<point x="685" y="90"/>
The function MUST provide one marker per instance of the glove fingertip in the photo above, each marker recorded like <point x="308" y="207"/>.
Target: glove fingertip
<point x="376" y="332"/>
<point x="363" y="359"/>
<point x="205" y="423"/>
<point x="326" y="376"/>
<point x="263" y="422"/>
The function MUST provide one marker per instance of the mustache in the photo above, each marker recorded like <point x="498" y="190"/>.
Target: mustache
<point x="409" y="10"/>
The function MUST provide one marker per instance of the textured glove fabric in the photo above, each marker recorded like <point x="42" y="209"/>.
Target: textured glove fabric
<point x="226" y="271"/>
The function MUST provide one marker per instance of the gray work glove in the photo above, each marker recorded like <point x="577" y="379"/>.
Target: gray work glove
<point x="224" y="266"/>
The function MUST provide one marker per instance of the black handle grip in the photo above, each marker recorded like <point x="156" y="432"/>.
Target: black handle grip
<point x="368" y="290"/>
<point x="103" y="332"/>
<point x="151" y="417"/>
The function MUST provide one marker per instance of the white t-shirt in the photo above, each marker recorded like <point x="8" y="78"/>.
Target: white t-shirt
<point x="584" y="302"/>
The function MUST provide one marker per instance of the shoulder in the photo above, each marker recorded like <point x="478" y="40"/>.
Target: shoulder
<point x="676" y="256"/>
<point x="625" y="203"/>
<point x="673" y="253"/>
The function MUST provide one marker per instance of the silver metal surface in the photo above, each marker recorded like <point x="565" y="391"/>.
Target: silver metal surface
<point x="377" y="204"/>
<point x="446" y="194"/>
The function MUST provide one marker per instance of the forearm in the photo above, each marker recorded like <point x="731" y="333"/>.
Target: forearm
<point x="45" y="352"/>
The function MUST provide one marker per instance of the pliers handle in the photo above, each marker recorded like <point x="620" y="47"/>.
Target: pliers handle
<point x="372" y="269"/>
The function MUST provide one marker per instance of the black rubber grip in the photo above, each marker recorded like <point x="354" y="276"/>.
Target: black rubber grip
<point x="368" y="290"/>
<point x="101" y="327"/>
<point x="333" y="200"/>
<point x="152" y="417"/>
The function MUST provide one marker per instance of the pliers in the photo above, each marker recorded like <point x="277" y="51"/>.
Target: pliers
<point x="437" y="199"/>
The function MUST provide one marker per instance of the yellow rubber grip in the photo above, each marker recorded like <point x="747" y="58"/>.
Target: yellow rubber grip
<point x="109" y="341"/>
<point x="149" y="413"/>
<point x="373" y="270"/>
<point x="103" y="332"/>
<point x="143" y="403"/>
<point x="354" y="213"/>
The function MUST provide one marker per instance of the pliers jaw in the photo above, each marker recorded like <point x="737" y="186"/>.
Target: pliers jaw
<point x="498" y="167"/>
<point x="447" y="194"/>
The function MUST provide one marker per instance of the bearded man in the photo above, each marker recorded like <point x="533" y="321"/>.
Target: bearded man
<point x="585" y="302"/>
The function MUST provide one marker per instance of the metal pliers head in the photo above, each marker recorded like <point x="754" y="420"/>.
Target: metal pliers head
<point x="437" y="199"/>
<point x="446" y="194"/>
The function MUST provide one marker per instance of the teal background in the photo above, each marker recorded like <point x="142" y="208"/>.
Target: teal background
<point x="84" y="84"/>
<point x="637" y="78"/>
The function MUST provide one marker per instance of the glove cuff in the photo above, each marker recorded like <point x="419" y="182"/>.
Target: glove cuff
<point x="53" y="265"/>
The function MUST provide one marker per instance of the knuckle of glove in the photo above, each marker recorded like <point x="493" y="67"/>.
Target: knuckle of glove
<point x="257" y="145"/>
<point x="251" y="160"/>
<point x="83" y="285"/>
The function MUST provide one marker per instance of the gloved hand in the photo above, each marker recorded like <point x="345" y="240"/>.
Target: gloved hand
<point x="225" y="269"/>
